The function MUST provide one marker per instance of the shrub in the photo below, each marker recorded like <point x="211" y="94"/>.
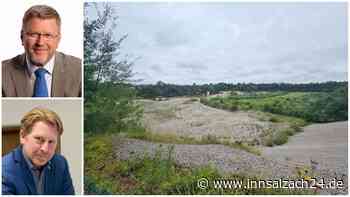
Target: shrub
<point x="203" y="100"/>
<point x="280" y="138"/>
<point x="232" y="106"/>
<point x="289" y="131"/>
<point x="92" y="188"/>
<point x="268" y="140"/>
<point x="274" y="119"/>
<point x="296" y="128"/>
<point x="194" y="99"/>
<point x="112" y="110"/>
<point x="210" y="139"/>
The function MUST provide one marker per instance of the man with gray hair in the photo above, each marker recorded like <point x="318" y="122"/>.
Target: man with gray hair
<point x="41" y="71"/>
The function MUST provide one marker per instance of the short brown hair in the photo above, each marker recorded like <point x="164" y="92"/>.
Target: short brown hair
<point x="40" y="114"/>
<point x="42" y="12"/>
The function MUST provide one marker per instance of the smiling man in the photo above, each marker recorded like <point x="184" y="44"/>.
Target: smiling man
<point x="34" y="167"/>
<point x="41" y="71"/>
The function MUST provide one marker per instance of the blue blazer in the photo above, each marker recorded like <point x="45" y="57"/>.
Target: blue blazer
<point x="18" y="179"/>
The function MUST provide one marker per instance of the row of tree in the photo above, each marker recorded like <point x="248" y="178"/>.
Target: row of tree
<point x="161" y="89"/>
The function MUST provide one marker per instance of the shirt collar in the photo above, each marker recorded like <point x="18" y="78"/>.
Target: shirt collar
<point x="48" y="66"/>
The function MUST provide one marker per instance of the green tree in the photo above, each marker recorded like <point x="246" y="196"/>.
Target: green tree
<point x="109" y="100"/>
<point x="102" y="61"/>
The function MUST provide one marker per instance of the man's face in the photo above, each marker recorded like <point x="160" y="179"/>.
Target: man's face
<point x="40" y="38"/>
<point x="40" y="144"/>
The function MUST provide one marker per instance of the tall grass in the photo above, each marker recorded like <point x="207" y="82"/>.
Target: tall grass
<point x="281" y="136"/>
<point x="207" y="139"/>
<point x="106" y="174"/>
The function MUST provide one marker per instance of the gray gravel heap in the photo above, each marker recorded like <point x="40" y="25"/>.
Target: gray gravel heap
<point x="225" y="159"/>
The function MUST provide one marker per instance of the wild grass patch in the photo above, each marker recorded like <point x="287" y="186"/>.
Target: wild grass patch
<point x="206" y="139"/>
<point x="277" y="118"/>
<point x="190" y="101"/>
<point x="153" y="175"/>
<point x="279" y="136"/>
<point x="164" y="113"/>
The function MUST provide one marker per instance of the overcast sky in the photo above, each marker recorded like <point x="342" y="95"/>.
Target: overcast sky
<point x="185" y="43"/>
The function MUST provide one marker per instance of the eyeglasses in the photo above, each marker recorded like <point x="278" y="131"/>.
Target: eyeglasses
<point x="45" y="36"/>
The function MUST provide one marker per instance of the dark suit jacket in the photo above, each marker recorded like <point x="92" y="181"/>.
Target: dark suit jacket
<point x="66" y="77"/>
<point x="17" y="178"/>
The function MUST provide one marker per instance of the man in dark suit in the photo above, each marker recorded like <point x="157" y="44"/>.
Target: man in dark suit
<point x="34" y="167"/>
<point x="41" y="71"/>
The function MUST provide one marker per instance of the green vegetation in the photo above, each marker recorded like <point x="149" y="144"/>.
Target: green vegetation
<point x="164" y="113"/>
<point x="174" y="139"/>
<point x="220" y="103"/>
<point x="105" y="174"/>
<point x="278" y="137"/>
<point x="192" y="100"/>
<point x="277" y="118"/>
<point x="255" y="95"/>
<point x="109" y="100"/>
<point x="281" y="137"/>
<point x="112" y="109"/>
<point x="310" y="106"/>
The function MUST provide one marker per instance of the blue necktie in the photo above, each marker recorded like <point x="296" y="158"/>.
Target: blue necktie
<point x="40" y="87"/>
